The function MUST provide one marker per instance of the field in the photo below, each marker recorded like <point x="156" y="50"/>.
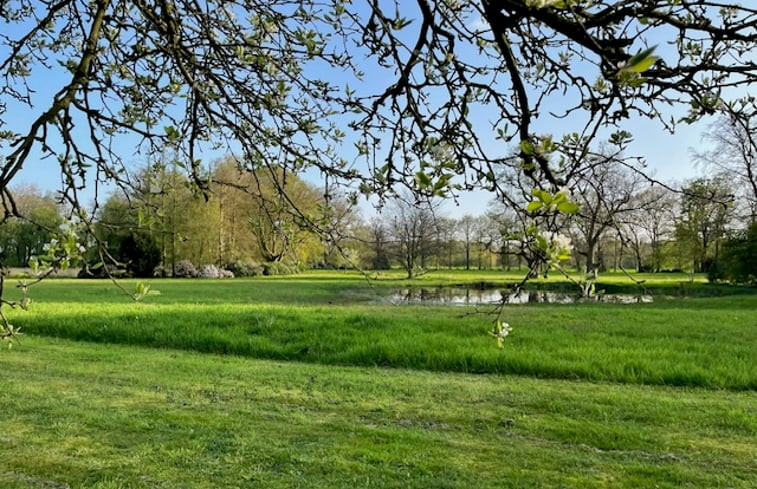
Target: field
<point x="317" y="381"/>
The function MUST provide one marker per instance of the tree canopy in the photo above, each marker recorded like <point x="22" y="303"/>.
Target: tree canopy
<point x="434" y="95"/>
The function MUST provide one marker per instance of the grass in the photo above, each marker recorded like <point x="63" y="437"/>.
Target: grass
<point x="706" y="342"/>
<point x="105" y="416"/>
<point x="281" y="382"/>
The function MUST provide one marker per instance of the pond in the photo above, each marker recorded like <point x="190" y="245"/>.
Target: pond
<point x="469" y="296"/>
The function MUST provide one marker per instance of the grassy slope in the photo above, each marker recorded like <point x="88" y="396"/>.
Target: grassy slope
<point x="105" y="416"/>
<point x="694" y="342"/>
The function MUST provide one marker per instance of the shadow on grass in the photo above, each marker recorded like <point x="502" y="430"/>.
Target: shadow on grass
<point x="661" y="345"/>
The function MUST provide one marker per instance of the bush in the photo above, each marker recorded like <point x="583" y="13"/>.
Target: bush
<point x="101" y="272"/>
<point x="141" y="254"/>
<point x="209" y="271"/>
<point x="226" y="273"/>
<point x="161" y="272"/>
<point x="381" y="262"/>
<point x="282" y="268"/>
<point x="185" y="269"/>
<point x="646" y="268"/>
<point x="245" y="268"/>
<point x="739" y="257"/>
<point x="715" y="271"/>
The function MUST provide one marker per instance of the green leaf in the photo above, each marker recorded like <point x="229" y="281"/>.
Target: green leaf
<point x="422" y="180"/>
<point x="171" y="133"/>
<point x="526" y="147"/>
<point x="534" y="206"/>
<point x="567" y="207"/>
<point x="443" y="181"/>
<point x="642" y="61"/>
<point x="542" y="242"/>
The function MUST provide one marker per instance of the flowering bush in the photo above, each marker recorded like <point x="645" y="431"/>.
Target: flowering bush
<point x="185" y="269"/>
<point x="161" y="272"/>
<point x="209" y="271"/>
<point x="212" y="271"/>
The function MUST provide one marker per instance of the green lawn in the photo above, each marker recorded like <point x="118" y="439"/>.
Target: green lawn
<point x="706" y="342"/>
<point x="104" y="393"/>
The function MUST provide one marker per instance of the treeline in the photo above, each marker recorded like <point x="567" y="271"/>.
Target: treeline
<point x="244" y="222"/>
<point x="622" y="222"/>
<point x="250" y="223"/>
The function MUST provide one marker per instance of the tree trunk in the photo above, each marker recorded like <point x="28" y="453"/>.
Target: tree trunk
<point x="590" y="253"/>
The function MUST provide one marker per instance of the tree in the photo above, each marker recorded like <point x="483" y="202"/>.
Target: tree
<point x="161" y="197"/>
<point x="446" y="233"/>
<point x="734" y="154"/>
<point x="277" y="82"/>
<point x="523" y="62"/>
<point x="705" y="211"/>
<point x="467" y="230"/>
<point x="261" y="215"/>
<point x="275" y="78"/>
<point x="278" y="225"/>
<point x="21" y="238"/>
<point x="379" y="240"/>
<point x="649" y="223"/>
<point x="488" y="239"/>
<point x="340" y="248"/>
<point x="605" y="193"/>
<point x="412" y="227"/>
<point x="504" y="221"/>
<point x="740" y="256"/>
<point x="128" y="244"/>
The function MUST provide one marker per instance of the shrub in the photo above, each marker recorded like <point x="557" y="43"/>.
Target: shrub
<point x="226" y="273"/>
<point x="209" y="271"/>
<point x="646" y="268"/>
<point x="282" y="268"/>
<point x="381" y="262"/>
<point x="245" y="268"/>
<point x="715" y="271"/>
<point x="161" y="272"/>
<point x="141" y="254"/>
<point x="739" y="256"/>
<point x="185" y="269"/>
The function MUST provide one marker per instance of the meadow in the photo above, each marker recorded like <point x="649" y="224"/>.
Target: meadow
<point x="316" y="380"/>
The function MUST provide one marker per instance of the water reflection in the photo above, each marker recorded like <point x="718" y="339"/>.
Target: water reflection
<point x="461" y="296"/>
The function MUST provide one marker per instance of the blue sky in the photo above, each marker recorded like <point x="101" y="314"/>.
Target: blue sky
<point x="668" y="156"/>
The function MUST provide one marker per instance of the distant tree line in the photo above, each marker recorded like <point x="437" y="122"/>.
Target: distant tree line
<point x="164" y="227"/>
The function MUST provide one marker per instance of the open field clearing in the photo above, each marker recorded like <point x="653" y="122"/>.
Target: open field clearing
<point x="706" y="342"/>
<point x="104" y="416"/>
<point x="105" y="393"/>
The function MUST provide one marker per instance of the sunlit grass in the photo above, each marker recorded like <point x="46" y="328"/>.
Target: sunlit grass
<point x="695" y="342"/>
<point x="97" y="416"/>
<point x="585" y="395"/>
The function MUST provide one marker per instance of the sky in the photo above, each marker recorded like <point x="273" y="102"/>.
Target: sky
<point x="669" y="157"/>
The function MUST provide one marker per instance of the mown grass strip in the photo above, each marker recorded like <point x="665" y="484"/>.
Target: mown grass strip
<point x="697" y="342"/>
<point x="97" y="416"/>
